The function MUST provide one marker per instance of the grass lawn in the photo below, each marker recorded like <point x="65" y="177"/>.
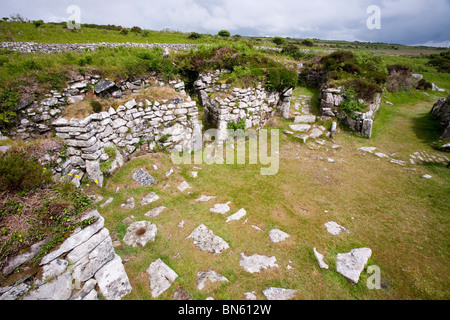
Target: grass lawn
<point x="402" y="217"/>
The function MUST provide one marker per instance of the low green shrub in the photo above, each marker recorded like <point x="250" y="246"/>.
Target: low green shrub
<point x="18" y="173"/>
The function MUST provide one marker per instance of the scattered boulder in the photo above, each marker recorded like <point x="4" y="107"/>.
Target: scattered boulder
<point x="204" y="198"/>
<point x="161" y="277"/>
<point x="181" y="294"/>
<point x="237" y="216"/>
<point x="319" y="258"/>
<point x="183" y="186"/>
<point x="221" y="208"/>
<point x="334" y="228"/>
<point x="206" y="240"/>
<point x="256" y="263"/>
<point x="300" y="127"/>
<point x="155" y="212"/>
<point x="210" y="275"/>
<point x="140" y="233"/>
<point x="129" y="204"/>
<point x="277" y="235"/>
<point x="272" y="293"/>
<point x="351" y="264"/>
<point x="150" y="198"/>
<point x="143" y="178"/>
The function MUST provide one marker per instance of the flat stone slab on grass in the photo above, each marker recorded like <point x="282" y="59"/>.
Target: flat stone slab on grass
<point x="129" y="204"/>
<point x="300" y="127"/>
<point x="368" y="149"/>
<point x="143" y="178"/>
<point x="206" y="240"/>
<point x="113" y="280"/>
<point x="319" y="258"/>
<point x="150" y="198"/>
<point x="221" y="208"/>
<point x="184" y="186"/>
<point x="204" y="198"/>
<point x="334" y="228"/>
<point x="351" y="264"/>
<point x="277" y="235"/>
<point x="140" y="233"/>
<point x="305" y="119"/>
<point x="256" y="263"/>
<point x="272" y="293"/>
<point x="237" y="216"/>
<point x="155" y="212"/>
<point x="210" y="275"/>
<point x="161" y="277"/>
<point x="315" y="133"/>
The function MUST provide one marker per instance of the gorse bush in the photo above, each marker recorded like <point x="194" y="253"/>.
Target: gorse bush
<point x="18" y="173"/>
<point x="8" y="103"/>
<point x="441" y="61"/>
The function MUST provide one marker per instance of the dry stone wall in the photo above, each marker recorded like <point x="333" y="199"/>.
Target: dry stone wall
<point x="361" y="122"/>
<point x="224" y="104"/>
<point x="32" y="47"/>
<point x="166" y="125"/>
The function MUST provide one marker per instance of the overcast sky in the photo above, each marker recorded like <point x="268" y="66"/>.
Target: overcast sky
<point x="402" y="21"/>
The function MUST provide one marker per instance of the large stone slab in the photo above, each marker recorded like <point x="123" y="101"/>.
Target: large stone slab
<point x="210" y="275"/>
<point x="237" y="216"/>
<point x="113" y="280"/>
<point x="272" y="293"/>
<point x="161" y="277"/>
<point x="143" y="178"/>
<point x="206" y="240"/>
<point x="150" y="198"/>
<point x="300" y="127"/>
<point x="77" y="238"/>
<point x="277" y="235"/>
<point x="305" y="119"/>
<point x="221" y="208"/>
<point x="335" y="229"/>
<point x="256" y="263"/>
<point x="140" y="233"/>
<point x="351" y="264"/>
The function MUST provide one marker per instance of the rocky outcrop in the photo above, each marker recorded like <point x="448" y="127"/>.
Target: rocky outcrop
<point x="441" y="111"/>
<point x="83" y="267"/>
<point x="224" y="104"/>
<point x="361" y="122"/>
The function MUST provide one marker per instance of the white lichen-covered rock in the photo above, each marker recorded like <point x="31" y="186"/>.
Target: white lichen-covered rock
<point x="113" y="280"/>
<point x="334" y="228"/>
<point x="221" y="208"/>
<point x="143" y="178"/>
<point x="183" y="186"/>
<point x="206" y="240"/>
<point x="140" y="233"/>
<point x="161" y="277"/>
<point x="272" y="293"/>
<point x="277" y="235"/>
<point x="237" y="216"/>
<point x="210" y="275"/>
<point x="320" y="258"/>
<point x="351" y="264"/>
<point x="155" y="212"/>
<point x="256" y="263"/>
<point x="150" y="198"/>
